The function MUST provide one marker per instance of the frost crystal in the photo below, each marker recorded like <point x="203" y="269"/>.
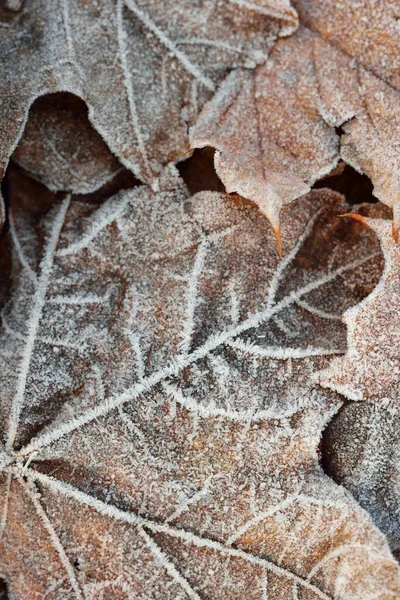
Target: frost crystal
<point x="160" y="402"/>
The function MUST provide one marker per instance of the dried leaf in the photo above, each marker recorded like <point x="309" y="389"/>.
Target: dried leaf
<point x="61" y="149"/>
<point x="274" y="127"/>
<point x="370" y="369"/>
<point x="363" y="450"/>
<point x="362" y="454"/>
<point x="162" y="416"/>
<point x="143" y="67"/>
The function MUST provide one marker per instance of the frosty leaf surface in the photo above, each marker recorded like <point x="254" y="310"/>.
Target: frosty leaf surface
<point x="60" y="148"/>
<point x="370" y="369"/>
<point x="276" y="128"/>
<point x="368" y="30"/>
<point x="363" y="455"/>
<point x="160" y="407"/>
<point x="143" y="67"/>
<point x="363" y="438"/>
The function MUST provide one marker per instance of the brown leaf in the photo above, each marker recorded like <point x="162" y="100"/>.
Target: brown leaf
<point x="362" y="454"/>
<point x="370" y="369"/>
<point x="362" y="446"/>
<point x="161" y="412"/>
<point x="143" y="68"/>
<point x="274" y="127"/>
<point x="60" y="148"/>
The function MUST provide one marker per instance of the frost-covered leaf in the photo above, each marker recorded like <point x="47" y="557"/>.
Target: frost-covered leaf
<point x="363" y="440"/>
<point x="60" y="148"/>
<point x="363" y="454"/>
<point x="370" y="369"/>
<point x="161" y="416"/>
<point x="368" y="30"/>
<point x="143" y="67"/>
<point x="275" y="128"/>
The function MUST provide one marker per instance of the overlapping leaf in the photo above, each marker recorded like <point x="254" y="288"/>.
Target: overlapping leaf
<point x="143" y="67"/>
<point x="363" y="440"/>
<point x="60" y="148"/>
<point x="275" y="128"/>
<point x="161" y="412"/>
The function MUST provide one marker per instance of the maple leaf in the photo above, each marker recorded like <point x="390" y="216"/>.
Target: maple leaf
<point x="143" y="68"/>
<point x="275" y="128"/>
<point x="364" y="449"/>
<point x="160" y="406"/>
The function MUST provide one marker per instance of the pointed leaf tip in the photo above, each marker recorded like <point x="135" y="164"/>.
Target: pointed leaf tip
<point x="278" y="237"/>
<point x="356" y="217"/>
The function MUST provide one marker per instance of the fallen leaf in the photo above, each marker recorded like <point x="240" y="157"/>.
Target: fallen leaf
<point x="61" y="149"/>
<point x="362" y="454"/>
<point x="363" y="447"/>
<point x="143" y="68"/>
<point x="161" y="412"/>
<point x="276" y="128"/>
<point x="370" y="368"/>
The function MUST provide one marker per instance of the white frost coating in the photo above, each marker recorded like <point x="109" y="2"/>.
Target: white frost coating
<point x="163" y="560"/>
<point x="175" y="366"/>
<point x="317" y="312"/>
<point x="86" y="299"/>
<point x="235" y="313"/>
<point x="343" y="549"/>
<point x="8" y="329"/>
<point x="135" y="343"/>
<point x="288" y="501"/>
<point x="246" y="417"/>
<point x="22" y="258"/>
<point x="202" y="493"/>
<point x="78" y="345"/>
<point x="295" y="595"/>
<point x="285" y="262"/>
<point x="67" y="27"/>
<point x="192" y="296"/>
<point x="71" y="44"/>
<point x="55" y="540"/>
<point x="225" y="416"/>
<point x="70" y="491"/>
<point x="258" y="56"/>
<point x="192" y="68"/>
<point x="34" y="320"/>
<point x="279" y="352"/>
<point x="330" y="377"/>
<point x="286" y="12"/>
<point x="264" y="584"/>
<point x="104" y="216"/>
<point x="129" y="86"/>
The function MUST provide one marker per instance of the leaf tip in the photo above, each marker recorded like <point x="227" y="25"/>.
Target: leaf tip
<point x="356" y="217"/>
<point x="277" y="231"/>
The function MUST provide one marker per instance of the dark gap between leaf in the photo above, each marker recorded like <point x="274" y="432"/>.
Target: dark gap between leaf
<point x="75" y="564"/>
<point x="325" y="445"/>
<point x="62" y="101"/>
<point x="65" y="103"/>
<point x="356" y="188"/>
<point x="4" y="590"/>
<point x="198" y="172"/>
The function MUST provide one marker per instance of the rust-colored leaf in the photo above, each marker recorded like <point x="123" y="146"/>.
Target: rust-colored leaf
<point x="144" y="68"/>
<point x="274" y="127"/>
<point x="161" y="415"/>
